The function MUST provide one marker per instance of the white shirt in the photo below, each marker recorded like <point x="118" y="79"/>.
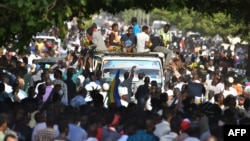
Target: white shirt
<point x="21" y="95"/>
<point x="62" y="51"/>
<point x="98" y="41"/>
<point x="51" y="76"/>
<point x="209" y="81"/>
<point x="124" y="103"/>
<point x="211" y="68"/>
<point x="137" y="84"/>
<point x="35" y="77"/>
<point x="105" y="98"/>
<point x="221" y="86"/>
<point x="148" y="105"/>
<point x="32" y="57"/>
<point x="231" y="91"/>
<point x="70" y="47"/>
<point x="69" y="25"/>
<point x="142" y="38"/>
<point x="215" y="89"/>
<point x="169" y="137"/>
<point x="8" y="88"/>
<point x="162" y="128"/>
<point x="179" y="85"/>
<point x="92" y="86"/>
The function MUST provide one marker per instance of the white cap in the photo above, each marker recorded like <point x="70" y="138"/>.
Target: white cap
<point x="230" y="79"/>
<point x="170" y="92"/>
<point x="105" y="86"/>
<point x="247" y="90"/>
<point x="33" y="67"/>
<point x="82" y="78"/>
<point x="123" y="91"/>
<point x="92" y="86"/>
<point x="204" y="53"/>
<point x="204" y="47"/>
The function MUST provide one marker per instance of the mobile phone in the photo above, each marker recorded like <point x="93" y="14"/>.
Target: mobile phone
<point x="47" y="66"/>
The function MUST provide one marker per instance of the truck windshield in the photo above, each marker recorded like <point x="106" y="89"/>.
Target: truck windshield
<point x="150" y="68"/>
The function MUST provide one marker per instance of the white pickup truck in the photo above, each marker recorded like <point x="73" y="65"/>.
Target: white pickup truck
<point x="50" y="40"/>
<point x="150" y="63"/>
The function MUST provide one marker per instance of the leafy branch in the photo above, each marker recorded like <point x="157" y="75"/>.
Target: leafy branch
<point x="8" y="8"/>
<point x="51" y="5"/>
<point x="48" y="9"/>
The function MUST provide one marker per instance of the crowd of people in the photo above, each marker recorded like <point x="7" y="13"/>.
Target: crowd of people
<point x="70" y="101"/>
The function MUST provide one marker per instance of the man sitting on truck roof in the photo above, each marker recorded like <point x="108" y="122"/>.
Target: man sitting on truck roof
<point x="97" y="39"/>
<point x="114" y="41"/>
<point x="143" y="40"/>
<point x="158" y="46"/>
<point x="166" y="35"/>
<point x="128" y="41"/>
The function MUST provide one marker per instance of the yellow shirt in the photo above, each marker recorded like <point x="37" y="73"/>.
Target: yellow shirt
<point x="166" y="37"/>
<point x="40" y="46"/>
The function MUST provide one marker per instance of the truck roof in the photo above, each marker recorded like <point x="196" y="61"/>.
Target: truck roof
<point x="50" y="59"/>
<point x="146" y="54"/>
<point x="46" y="37"/>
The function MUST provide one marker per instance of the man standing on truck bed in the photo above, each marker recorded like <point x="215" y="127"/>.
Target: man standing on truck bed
<point x="136" y="27"/>
<point x="127" y="82"/>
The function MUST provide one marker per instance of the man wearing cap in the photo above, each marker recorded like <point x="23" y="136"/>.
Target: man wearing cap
<point x="211" y="56"/>
<point x="104" y="92"/>
<point x="123" y="92"/>
<point x="79" y="82"/>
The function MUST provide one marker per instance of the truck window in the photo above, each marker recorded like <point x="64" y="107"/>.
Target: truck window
<point x="149" y="67"/>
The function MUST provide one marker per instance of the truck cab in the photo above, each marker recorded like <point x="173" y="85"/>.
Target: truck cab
<point x="150" y="63"/>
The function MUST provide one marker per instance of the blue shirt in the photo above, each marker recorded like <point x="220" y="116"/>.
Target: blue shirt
<point x="141" y="135"/>
<point x="77" y="101"/>
<point x="76" y="133"/>
<point x="128" y="40"/>
<point x="136" y="29"/>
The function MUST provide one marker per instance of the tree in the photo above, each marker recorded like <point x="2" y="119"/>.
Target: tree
<point x="26" y="17"/>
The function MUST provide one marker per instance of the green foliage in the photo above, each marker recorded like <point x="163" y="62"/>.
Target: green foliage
<point x="188" y="19"/>
<point x="27" y="17"/>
